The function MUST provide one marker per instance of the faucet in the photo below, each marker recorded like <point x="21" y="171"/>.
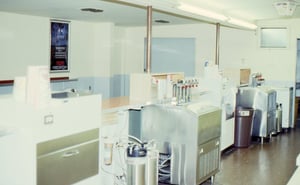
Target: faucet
<point x="73" y="90"/>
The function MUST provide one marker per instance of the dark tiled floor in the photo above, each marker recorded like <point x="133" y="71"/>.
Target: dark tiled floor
<point x="271" y="163"/>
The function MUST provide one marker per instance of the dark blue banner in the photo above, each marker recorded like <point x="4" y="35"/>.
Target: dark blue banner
<point x="59" y="46"/>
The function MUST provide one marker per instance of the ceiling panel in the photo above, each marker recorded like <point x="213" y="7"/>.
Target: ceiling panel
<point x="124" y="15"/>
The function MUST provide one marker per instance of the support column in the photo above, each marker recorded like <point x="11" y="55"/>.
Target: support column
<point x="149" y="39"/>
<point x="217" y="43"/>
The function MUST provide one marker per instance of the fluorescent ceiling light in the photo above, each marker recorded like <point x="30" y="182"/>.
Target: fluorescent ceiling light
<point x="202" y="12"/>
<point x="216" y="16"/>
<point x="154" y="3"/>
<point x="242" y="23"/>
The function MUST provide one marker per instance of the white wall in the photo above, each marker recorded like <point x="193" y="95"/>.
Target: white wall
<point x="205" y="35"/>
<point x="205" y="43"/>
<point x="25" y="40"/>
<point x="90" y="50"/>
<point x="104" y="50"/>
<point x="102" y="44"/>
<point x="279" y="63"/>
<point x="134" y="50"/>
<point x="238" y="48"/>
<point x="119" y="50"/>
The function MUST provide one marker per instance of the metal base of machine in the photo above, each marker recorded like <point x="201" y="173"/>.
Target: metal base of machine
<point x="262" y="140"/>
<point x="228" y="151"/>
<point x="285" y="130"/>
<point x="212" y="180"/>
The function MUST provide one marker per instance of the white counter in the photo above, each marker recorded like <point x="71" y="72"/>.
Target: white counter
<point x="295" y="179"/>
<point x="24" y="126"/>
<point x="62" y="117"/>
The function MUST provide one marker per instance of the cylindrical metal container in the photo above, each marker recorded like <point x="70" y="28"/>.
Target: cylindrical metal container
<point x="279" y="118"/>
<point x="136" y="165"/>
<point x="152" y="167"/>
<point x="243" y="127"/>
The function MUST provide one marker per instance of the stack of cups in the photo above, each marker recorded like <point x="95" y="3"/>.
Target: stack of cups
<point x="38" y="92"/>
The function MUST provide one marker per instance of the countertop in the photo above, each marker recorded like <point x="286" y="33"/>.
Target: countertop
<point x="120" y="103"/>
<point x="115" y="102"/>
<point x="62" y="117"/>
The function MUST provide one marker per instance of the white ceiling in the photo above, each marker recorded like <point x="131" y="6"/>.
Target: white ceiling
<point x="124" y="14"/>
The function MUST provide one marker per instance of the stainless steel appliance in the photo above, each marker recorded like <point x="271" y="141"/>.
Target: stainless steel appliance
<point x="263" y="100"/>
<point x="279" y="118"/>
<point x="285" y="98"/>
<point x="187" y="139"/>
<point x="257" y="79"/>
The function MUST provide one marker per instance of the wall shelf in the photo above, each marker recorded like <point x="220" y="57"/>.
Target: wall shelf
<point x="6" y="82"/>
<point x="53" y="79"/>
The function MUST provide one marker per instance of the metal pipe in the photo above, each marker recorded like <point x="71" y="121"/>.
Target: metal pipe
<point x="217" y="43"/>
<point x="149" y="38"/>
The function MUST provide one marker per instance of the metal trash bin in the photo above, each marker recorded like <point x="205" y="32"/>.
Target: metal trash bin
<point x="243" y="126"/>
<point x="279" y="118"/>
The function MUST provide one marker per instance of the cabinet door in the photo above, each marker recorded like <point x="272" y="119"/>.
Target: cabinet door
<point x="70" y="165"/>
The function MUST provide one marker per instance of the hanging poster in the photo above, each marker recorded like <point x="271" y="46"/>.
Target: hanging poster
<point x="59" y="46"/>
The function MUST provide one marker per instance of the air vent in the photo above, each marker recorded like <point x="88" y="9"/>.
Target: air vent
<point x="162" y="21"/>
<point x="94" y="10"/>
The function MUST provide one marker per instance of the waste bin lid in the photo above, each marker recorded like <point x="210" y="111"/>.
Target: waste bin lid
<point x="244" y="111"/>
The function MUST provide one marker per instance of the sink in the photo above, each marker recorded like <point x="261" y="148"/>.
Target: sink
<point x="69" y="94"/>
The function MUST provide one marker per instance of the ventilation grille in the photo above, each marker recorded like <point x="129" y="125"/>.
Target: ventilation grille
<point x="208" y="164"/>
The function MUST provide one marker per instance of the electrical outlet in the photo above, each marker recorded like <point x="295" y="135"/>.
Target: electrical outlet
<point x="48" y="119"/>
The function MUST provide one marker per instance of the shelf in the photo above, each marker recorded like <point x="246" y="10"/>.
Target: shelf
<point x="62" y="79"/>
<point x="53" y="79"/>
<point x="6" y="82"/>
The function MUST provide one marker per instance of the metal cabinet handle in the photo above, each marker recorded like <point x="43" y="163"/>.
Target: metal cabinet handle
<point x="70" y="153"/>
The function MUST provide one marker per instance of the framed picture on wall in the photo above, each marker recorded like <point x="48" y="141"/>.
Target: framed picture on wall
<point x="59" y="46"/>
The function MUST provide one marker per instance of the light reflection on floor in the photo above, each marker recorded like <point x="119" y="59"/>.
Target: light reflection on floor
<point x="271" y="163"/>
